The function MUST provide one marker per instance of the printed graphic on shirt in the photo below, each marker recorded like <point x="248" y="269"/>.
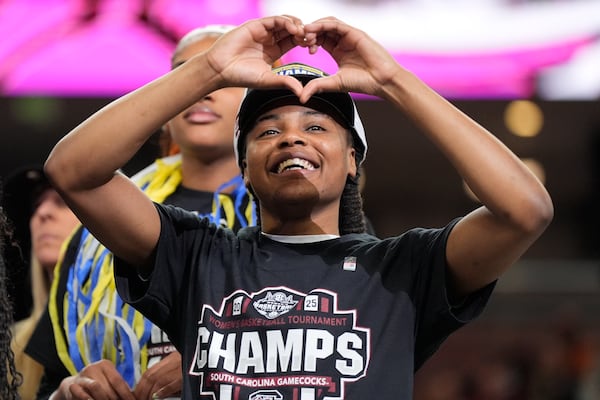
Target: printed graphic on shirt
<point x="279" y="344"/>
<point x="159" y="346"/>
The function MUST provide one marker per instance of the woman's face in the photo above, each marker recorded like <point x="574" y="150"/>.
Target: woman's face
<point x="51" y="223"/>
<point x="206" y="128"/>
<point x="296" y="155"/>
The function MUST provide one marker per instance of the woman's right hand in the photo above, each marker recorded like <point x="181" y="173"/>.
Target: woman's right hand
<point x="97" y="381"/>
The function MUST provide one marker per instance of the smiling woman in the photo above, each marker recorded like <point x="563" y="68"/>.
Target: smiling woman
<point x="308" y="293"/>
<point x="296" y="144"/>
<point x="273" y="125"/>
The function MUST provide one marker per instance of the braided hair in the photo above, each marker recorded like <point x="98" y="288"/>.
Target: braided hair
<point x="352" y="216"/>
<point x="10" y="379"/>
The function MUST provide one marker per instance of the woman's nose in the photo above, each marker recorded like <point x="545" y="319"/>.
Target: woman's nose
<point x="43" y="209"/>
<point x="291" y="138"/>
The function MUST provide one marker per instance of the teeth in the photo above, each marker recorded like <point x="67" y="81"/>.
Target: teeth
<point x="294" y="163"/>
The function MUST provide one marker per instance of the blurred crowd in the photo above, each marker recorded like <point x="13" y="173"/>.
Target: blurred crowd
<point x="541" y="360"/>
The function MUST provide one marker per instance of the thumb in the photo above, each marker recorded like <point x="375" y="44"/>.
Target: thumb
<point x="318" y="85"/>
<point x="281" y="81"/>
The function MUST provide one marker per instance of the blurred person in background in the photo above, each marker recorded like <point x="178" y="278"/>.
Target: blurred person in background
<point x="42" y="222"/>
<point x="198" y="172"/>
<point x="444" y="384"/>
<point x="565" y="357"/>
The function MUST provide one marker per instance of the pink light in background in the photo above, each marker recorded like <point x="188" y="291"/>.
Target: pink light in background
<point x="114" y="52"/>
<point x="27" y="25"/>
<point x="181" y="16"/>
<point x="110" y="47"/>
<point x="499" y="74"/>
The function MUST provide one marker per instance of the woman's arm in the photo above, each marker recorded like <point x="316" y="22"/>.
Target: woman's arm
<point x="83" y="165"/>
<point x="516" y="206"/>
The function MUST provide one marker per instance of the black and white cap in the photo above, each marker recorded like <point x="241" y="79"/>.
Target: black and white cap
<point x="338" y="104"/>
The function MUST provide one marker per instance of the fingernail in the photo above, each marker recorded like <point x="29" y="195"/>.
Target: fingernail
<point x="156" y="395"/>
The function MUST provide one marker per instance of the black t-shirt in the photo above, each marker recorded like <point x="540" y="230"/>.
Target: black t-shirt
<point x="350" y="318"/>
<point x="42" y="345"/>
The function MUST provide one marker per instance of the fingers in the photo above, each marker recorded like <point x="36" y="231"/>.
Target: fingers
<point x="70" y="390"/>
<point x="285" y="33"/>
<point x="83" y="388"/>
<point x="326" y="31"/>
<point x="325" y="24"/>
<point x="172" y="389"/>
<point x="163" y="379"/>
<point x="297" y="36"/>
<point x="293" y="25"/>
<point x="364" y="65"/>
<point x="279" y="29"/>
<point x="77" y="392"/>
<point x="324" y="84"/>
<point x="101" y="381"/>
<point x="243" y="56"/>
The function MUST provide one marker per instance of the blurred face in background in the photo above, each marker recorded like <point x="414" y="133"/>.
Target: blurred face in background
<point x="206" y="128"/>
<point x="51" y="224"/>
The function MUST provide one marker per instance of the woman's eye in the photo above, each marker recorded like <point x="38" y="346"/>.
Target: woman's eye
<point x="315" y="128"/>
<point x="268" y="132"/>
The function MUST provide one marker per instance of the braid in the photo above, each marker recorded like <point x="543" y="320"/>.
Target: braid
<point x="352" y="216"/>
<point x="10" y="379"/>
